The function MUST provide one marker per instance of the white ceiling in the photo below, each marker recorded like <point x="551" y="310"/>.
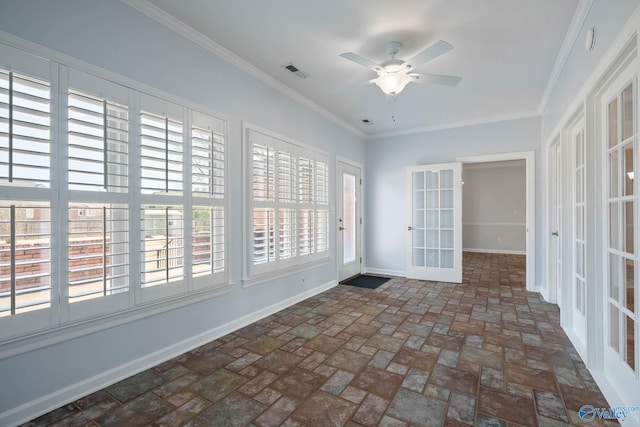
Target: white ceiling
<point x="505" y="51"/>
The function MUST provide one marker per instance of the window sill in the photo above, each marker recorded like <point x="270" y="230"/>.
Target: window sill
<point x="53" y="335"/>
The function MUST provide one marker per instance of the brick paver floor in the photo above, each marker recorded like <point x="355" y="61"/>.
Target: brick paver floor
<point x="485" y="352"/>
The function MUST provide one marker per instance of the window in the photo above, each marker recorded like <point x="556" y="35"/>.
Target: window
<point x="139" y="223"/>
<point x="27" y="282"/>
<point x="288" y="217"/>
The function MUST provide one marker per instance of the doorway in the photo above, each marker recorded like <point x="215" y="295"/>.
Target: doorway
<point x="349" y="219"/>
<point x="529" y="214"/>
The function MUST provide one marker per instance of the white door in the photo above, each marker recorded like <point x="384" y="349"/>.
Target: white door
<point x="349" y="220"/>
<point x="619" y="115"/>
<point x="434" y="197"/>
<point x="579" y="283"/>
<point x="555" y="243"/>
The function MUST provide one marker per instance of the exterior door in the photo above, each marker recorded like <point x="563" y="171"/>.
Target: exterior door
<point x="579" y="282"/>
<point x="620" y="113"/>
<point x="349" y="220"/>
<point x="434" y="196"/>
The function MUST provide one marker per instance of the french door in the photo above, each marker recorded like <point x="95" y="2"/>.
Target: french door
<point x="434" y="196"/>
<point x="621" y="356"/>
<point x="579" y="283"/>
<point x="349" y="220"/>
<point x="556" y="224"/>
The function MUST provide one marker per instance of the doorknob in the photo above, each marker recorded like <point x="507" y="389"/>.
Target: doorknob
<point x="555" y="233"/>
<point x="341" y="228"/>
<point x="409" y="228"/>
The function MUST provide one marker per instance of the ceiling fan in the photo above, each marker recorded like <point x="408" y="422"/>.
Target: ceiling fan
<point x="394" y="74"/>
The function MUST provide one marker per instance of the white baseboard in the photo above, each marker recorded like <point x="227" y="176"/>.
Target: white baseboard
<point x="578" y="344"/>
<point x="51" y="401"/>
<point x="542" y="291"/>
<point x="494" y="251"/>
<point x="384" y="272"/>
<point x="614" y="399"/>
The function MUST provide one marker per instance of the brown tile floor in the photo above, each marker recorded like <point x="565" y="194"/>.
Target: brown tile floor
<point x="484" y="352"/>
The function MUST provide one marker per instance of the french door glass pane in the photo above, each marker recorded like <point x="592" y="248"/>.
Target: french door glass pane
<point x="614" y="277"/>
<point x="580" y="222"/>
<point x="630" y="342"/>
<point x="446" y="199"/>
<point x="628" y="226"/>
<point x="613" y="170"/>
<point x="613" y="123"/>
<point x="628" y="170"/>
<point x="418" y="199"/>
<point x="418" y="257"/>
<point x="432" y="258"/>
<point x="614" y="328"/>
<point x="432" y="180"/>
<point x="629" y="276"/>
<point x="418" y="238"/>
<point x="446" y="176"/>
<point x="432" y="239"/>
<point x="627" y="112"/>
<point x="446" y="218"/>
<point x="432" y="199"/>
<point x="418" y="219"/>
<point x="446" y="237"/>
<point x="418" y="180"/>
<point x="433" y="219"/>
<point x="614" y="222"/>
<point x="447" y="259"/>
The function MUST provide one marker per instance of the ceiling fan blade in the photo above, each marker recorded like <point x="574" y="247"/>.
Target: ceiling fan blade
<point x="438" y="48"/>
<point x="361" y="60"/>
<point x="437" y="79"/>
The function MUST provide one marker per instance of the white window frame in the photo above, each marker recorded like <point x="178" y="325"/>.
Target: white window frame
<point x="255" y="274"/>
<point x="63" y="320"/>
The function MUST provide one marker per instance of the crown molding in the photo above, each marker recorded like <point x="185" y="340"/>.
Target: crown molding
<point x="152" y="11"/>
<point x="453" y="125"/>
<point x="579" y="17"/>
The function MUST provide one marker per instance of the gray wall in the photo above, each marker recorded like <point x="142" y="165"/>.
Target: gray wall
<point x="116" y="37"/>
<point x="494" y="206"/>
<point x="387" y="159"/>
<point x="608" y="17"/>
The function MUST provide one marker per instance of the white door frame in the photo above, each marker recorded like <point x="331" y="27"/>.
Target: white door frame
<point x="529" y="158"/>
<point x="360" y="245"/>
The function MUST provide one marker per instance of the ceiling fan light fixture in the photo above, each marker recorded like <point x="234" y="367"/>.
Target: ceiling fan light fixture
<point x="392" y="83"/>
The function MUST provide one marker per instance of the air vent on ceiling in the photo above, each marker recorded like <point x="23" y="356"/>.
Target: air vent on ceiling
<point x="295" y="70"/>
<point x="367" y="122"/>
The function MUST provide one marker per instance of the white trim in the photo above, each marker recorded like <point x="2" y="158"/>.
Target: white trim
<point x="157" y="14"/>
<point x="453" y="125"/>
<point x="529" y="157"/>
<point x="542" y="291"/>
<point x="570" y="38"/>
<point x="67" y="331"/>
<point x="385" y="272"/>
<point x="578" y="344"/>
<point x="505" y="164"/>
<point x="494" y="251"/>
<point x="51" y="401"/>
